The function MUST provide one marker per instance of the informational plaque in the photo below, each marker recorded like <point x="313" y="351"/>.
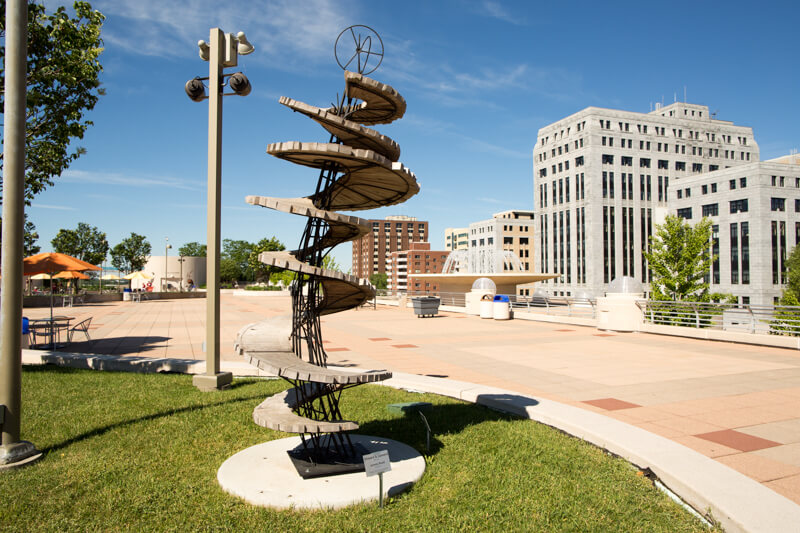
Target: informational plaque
<point x="377" y="463"/>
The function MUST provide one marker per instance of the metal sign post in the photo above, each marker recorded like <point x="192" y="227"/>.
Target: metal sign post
<point x="376" y="464"/>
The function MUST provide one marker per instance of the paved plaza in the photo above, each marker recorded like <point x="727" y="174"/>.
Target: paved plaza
<point x="738" y="404"/>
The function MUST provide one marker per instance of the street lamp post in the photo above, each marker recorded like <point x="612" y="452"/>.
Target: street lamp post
<point x="180" y="280"/>
<point x="221" y="51"/>
<point x="165" y="283"/>
<point x="13" y="451"/>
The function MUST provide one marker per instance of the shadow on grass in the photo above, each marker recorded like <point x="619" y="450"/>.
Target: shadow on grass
<point x="443" y="420"/>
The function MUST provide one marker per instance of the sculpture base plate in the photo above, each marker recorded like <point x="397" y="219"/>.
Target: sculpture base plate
<point x="264" y="475"/>
<point x="333" y="465"/>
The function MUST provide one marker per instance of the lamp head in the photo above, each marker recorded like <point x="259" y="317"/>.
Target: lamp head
<point x="195" y="90"/>
<point x="243" y="47"/>
<point x="204" y="50"/>
<point x="239" y="83"/>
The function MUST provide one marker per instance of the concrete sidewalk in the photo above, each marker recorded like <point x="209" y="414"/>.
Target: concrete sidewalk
<point x="738" y="404"/>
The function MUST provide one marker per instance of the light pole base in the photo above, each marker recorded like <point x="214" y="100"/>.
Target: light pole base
<point x="18" y="454"/>
<point x="207" y="383"/>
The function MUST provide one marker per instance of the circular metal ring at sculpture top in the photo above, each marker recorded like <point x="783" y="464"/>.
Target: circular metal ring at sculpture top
<point x="364" y="47"/>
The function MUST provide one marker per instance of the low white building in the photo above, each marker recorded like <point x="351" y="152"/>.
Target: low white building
<point x="173" y="272"/>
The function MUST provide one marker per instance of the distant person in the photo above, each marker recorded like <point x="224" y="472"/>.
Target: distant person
<point x="191" y="284"/>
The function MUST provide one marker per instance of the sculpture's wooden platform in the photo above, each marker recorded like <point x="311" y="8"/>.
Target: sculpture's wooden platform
<point x="277" y="412"/>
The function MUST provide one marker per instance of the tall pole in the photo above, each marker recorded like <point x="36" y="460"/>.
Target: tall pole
<point x="164" y="282"/>
<point x="13" y="452"/>
<point x="213" y="378"/>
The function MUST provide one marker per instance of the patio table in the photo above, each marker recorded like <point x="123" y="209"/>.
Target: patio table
<point x="51" y="328"/>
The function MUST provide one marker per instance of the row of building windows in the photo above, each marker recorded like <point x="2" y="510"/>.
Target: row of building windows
<point x="627" y="181"/>
<point x="561" y="191"/>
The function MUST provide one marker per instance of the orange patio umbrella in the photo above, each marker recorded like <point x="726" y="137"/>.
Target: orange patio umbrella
<point x="52" y="263"/>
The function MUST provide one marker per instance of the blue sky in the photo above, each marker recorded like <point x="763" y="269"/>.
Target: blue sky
<point x="480" y="78"/>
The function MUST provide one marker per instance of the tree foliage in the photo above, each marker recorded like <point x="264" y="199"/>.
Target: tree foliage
<point x="379" y="280"/>
<point x="131" y="254"/>
<point x="259" y="270"/>
<point x="329" y="263"/>
<point x="792" y="266"/>
<point x="63" y="84"/>
<point x="85" y="242"/>
<point x="29" y="237"/>
<point x="679" y="259"/>
<point x="192" y="249"/>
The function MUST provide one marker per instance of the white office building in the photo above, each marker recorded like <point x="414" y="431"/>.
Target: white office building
<point x="603" y="178"/>
<point x="510" y="231"/>
<point x="755" y="212"/>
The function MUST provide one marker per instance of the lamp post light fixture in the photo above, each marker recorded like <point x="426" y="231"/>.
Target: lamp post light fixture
<point x="221" y="51"/>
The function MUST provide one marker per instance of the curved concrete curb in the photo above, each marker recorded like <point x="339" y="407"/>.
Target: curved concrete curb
<point x="737" y="502"/>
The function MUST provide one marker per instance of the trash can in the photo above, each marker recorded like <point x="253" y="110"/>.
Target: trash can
<point x="25" y="332"/>
<point x="501" y="307"/>
<point x="126" y="295"/>
<point x="425" y="305"/>
<point x="487" y="306"/>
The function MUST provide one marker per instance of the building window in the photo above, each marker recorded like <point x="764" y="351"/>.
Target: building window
<point x="704" y="189"/>
<point x="663" y="163"/>
<point x="715" y="275"/>
<point x="679" y="193"/>
<point x="742" y="183"/>
<point x="745" y="242"/>
<point x="738" y="206"/>
<point x="710" y="210"/>
<point x="579" y="161"/>
<point x="713" y="187"/>
<point x="697" y="167"/>
<point x="686" y="213"/>
<point x="778" y="204"/>
<point x="644" y="162"/>
<point x="523" y="240"/>
<point x="508" y="240"/>
<point x="627" y="161"/>
<point x="688" y="192"/>
<point x="608" y="159"/>
<point x="734" y="253"/>
<point x="680" y="165"/>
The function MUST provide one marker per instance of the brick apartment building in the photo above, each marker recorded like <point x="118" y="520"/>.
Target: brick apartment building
<point x="418" y="259"/>
<point x="372" y="252"/>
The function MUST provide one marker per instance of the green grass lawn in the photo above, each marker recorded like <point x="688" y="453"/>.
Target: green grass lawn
<point x="141" y="451"/>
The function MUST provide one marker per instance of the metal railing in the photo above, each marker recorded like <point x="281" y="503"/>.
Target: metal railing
<point x="764" y="319"/>
<point x="456" y="299"/>
<point x="556" y="305"/>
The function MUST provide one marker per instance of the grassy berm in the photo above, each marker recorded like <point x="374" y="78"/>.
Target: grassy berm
<point x="137" y="452"/>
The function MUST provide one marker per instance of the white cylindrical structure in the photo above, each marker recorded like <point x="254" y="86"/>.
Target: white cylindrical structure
<point x="487" y="309"/>
<point x="501" y="310"/>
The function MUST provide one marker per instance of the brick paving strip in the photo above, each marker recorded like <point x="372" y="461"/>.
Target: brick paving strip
<point x="723" y="400"/>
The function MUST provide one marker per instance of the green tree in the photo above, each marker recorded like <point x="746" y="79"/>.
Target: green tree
<point x="29" y="238"/>
<point x="261" y="271"/>
<point x="378" y="280"/>
<point x="85" y="242"/>
<point x="679" y="259"/>
<point x="131" y="254"/>
<point x="329" y="263"/>
<point x="792" y="266"/>
<point x="63" y="84"/>
<point x="192" y="249"/>
<point x="282" y="277"/>
<point x="229" y="270"/>
<point x="238" y="252"/>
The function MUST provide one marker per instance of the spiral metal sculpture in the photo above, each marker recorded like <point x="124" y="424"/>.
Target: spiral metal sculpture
<point x="358" y="170"/>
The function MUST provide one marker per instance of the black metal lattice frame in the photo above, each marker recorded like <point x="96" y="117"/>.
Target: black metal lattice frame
<point x="318" y="401"/>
